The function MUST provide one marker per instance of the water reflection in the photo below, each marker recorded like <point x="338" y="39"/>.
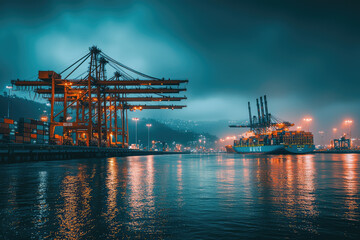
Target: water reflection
<point x="351" y="186"/>
<point x="226" y="173"/>
<point x="42" y="213"/>
<point x="286" y="183"/>
<point x="179" y="174"/>
<point x="189" y="196"/>
<point x="140" y="192"/>
<point x="307" y="188"/>
<point x="74" y="213"/>
<point x="112" y="184"/>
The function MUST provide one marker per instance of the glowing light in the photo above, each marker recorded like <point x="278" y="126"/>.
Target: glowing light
<point x="348" y="122"/>
<point x="308" y="120"/>
<point x="44" y="118"/>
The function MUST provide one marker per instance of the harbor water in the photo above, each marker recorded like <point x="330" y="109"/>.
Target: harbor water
<point x="220" y="196"/>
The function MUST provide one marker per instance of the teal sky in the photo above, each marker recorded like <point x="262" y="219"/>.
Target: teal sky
<point x="304" y="55"/>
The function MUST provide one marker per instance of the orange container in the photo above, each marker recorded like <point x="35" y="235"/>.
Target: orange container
<point x="9" y="121"/>
<point x="33" y="135"/>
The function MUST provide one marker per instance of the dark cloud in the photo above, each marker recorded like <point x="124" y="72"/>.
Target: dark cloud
<point x="306" y="52"/>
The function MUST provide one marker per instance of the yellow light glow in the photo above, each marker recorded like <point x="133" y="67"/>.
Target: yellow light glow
<point x="44" y="118"/>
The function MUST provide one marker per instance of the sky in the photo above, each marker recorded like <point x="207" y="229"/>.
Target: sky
<point x="304" y="55"/>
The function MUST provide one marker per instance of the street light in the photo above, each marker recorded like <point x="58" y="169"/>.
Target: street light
<point x="321" y="136"/>
<point x="44" y="118"/>
<point x="348" y="123"/>
<point x="136" y="120"/>
<point x="9" y="87"/>
<point x="148" y="126"/>
<point x="308" y="120"/>
<point x="334" y="132"/>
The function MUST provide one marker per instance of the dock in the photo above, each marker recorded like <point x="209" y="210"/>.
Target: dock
<point x="15" y="153"/>
<point x="334" y="151"/>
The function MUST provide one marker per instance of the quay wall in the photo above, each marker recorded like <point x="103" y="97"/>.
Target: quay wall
<point x="15" y="153"/>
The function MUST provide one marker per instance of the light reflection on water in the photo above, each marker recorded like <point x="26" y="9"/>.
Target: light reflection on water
<point x="42" y="213"/>
<point x="73" y="214"/>
<point x="351" y="186"/>
<point x="112" y="183"/>
<point x="183" y="197"/>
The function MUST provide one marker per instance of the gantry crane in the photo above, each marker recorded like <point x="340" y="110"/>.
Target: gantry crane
<point x="98" y="100"/>
<point x="264" y="121"/>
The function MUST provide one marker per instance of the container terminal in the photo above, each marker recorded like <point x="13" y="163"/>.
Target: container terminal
<point x="93" y="107"/>
<point x="269" y="135"/>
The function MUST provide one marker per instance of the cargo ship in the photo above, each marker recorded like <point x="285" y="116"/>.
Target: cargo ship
<point x="229" y="149"/>
<point x="269" y="135"/>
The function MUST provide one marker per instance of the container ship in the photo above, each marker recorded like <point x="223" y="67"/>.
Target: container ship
<point x="269" y="135"/>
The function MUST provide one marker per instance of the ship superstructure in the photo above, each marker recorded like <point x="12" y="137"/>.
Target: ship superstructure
<point x="270" y="135"/>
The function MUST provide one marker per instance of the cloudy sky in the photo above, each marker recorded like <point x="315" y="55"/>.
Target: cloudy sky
<point x="305" y="55"/>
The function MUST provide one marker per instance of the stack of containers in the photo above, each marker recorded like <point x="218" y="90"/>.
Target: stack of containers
<point x="33" y="131"/>
<point x="8" y="127"/>
<point x="24" y="134"/>
<point x="40" y="132"/>
<point x="299" y="138"/>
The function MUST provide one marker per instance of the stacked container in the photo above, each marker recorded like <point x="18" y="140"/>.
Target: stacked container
<point x="277" y="138"/>
<point x="8" y="128"/>
<point x="32" y="131"/>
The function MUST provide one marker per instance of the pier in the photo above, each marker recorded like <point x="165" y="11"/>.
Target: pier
<point x="15" y="153"/>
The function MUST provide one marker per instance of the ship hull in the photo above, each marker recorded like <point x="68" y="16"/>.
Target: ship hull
<point x="275" y="149"/>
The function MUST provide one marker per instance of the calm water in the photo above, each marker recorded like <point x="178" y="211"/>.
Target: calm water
<point x="182" y="196"/>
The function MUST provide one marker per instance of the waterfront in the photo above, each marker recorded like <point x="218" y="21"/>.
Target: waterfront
<point x="183" y="197"/>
